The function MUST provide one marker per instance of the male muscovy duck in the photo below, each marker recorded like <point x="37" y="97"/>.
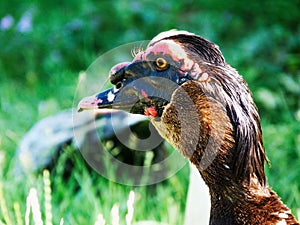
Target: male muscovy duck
<point x="203" y="107"/>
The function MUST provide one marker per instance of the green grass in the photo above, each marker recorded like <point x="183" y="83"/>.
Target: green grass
<point x="39" y="72"/>
<point x="85" y="194"/>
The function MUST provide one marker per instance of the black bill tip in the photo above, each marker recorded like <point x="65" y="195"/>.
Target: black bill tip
<point x="88" y="103"/>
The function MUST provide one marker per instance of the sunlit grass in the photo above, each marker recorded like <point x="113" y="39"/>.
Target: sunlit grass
<point x="84" y="197"/>
<point x="35" y="214"/>
<point x="3" y="206"/>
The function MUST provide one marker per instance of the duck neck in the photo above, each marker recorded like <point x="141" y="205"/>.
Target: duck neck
<point x="228" y="154"/>
<point x="233" y="203"/>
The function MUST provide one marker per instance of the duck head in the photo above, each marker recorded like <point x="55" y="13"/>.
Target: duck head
<point x="194" y="99"/>
<point x="145" y="85"/>
<point x="204" y="108"/>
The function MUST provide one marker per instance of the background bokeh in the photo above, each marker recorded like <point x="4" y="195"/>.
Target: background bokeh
<point x="44" y="45"/>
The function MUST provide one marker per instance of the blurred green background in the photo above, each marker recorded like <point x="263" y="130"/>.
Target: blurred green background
<point x="45" y="44"/>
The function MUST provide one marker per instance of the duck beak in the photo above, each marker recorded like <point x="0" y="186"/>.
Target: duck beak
<point x="102" y="100"/>
<point x="110" y="99"/>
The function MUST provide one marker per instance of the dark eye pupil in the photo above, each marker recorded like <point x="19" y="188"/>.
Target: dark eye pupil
<point x="161" y="62"/>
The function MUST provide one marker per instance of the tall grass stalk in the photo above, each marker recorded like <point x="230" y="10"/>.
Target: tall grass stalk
<point x="3" y="206"/>
<point x="48" y="197"/>
<point x="32" y="204"/>
<point x="115" y="220"/>
<point x="100" y="220"/>
<point x="18" y="213"/>
<point x="130" y="208"/>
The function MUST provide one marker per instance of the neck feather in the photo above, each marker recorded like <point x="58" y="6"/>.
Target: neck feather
<point x="201" y="128"/>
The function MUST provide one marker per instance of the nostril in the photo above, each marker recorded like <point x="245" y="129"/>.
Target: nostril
<point x="119" y="85"/>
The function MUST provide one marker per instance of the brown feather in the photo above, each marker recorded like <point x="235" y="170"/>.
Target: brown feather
<point x="211" y="119"/>
<point x="221" y="134"/>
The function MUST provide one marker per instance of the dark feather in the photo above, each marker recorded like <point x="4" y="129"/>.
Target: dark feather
<point x="228" y="87"/>
<point x="200" y="47"/>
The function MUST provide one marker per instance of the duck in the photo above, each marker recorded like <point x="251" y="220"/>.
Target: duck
<point x="203" y="107"/>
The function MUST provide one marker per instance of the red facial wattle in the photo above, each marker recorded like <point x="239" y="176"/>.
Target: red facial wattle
<point x="151" y="112"/>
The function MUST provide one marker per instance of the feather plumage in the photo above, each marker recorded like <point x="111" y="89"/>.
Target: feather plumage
<point x="205" y="109"/>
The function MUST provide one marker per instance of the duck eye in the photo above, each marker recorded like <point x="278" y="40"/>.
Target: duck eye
<point x="161" y="63"/>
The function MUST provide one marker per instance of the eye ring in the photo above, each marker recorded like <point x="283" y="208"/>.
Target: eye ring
<point x="161" y="63"/>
